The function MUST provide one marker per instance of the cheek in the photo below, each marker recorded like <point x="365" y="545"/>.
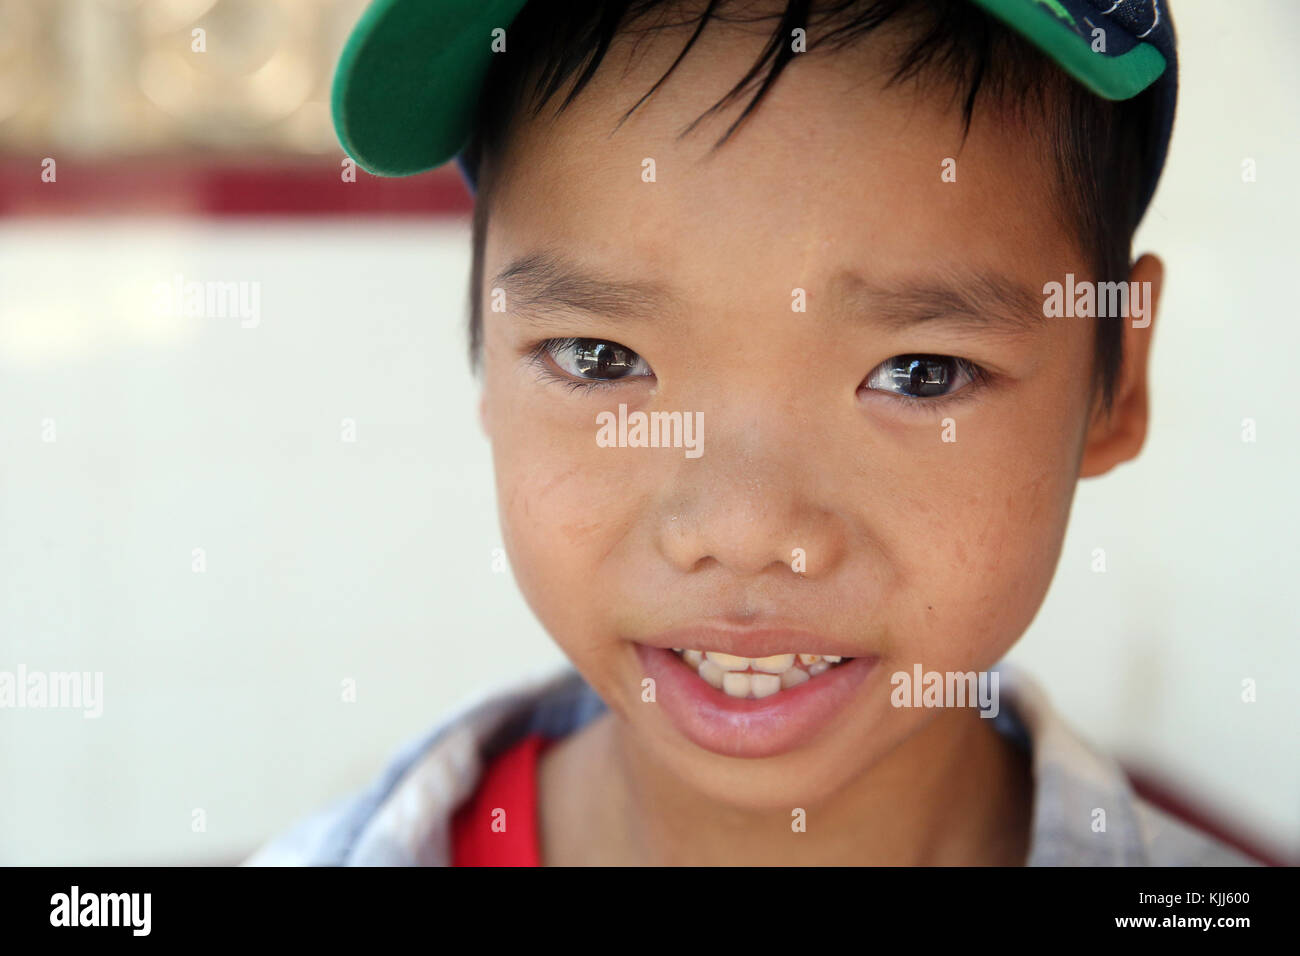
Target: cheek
<point x="985" y="535"/>
<point x="566" y="507"/>
<point x="548" y="514"/>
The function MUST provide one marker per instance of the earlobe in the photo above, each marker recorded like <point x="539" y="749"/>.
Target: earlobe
<point x="1118" y="438"/>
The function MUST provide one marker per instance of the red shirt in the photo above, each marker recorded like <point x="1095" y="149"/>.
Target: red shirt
<point x="509" y="784"/>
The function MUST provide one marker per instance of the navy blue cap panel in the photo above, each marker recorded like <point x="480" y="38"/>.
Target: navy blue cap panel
<point x="466" y="173"/>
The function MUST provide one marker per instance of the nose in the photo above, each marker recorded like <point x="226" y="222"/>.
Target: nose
<point x="754" y="500"/>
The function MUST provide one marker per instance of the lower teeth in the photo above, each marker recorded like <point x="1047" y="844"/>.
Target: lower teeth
<point x="756" y="682"/>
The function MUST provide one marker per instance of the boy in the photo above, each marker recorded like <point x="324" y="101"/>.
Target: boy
<point x="788" y="264"/>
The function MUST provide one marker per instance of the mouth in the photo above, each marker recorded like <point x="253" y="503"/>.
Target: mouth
<point x="755" y="678"/>
<point x="740" y="706"/>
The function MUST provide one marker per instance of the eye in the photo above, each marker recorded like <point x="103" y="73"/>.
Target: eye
<point x="923" y="376"/>
<point x="595" y="360"/>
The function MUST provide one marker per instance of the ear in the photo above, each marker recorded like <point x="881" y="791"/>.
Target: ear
<point x="482" y="412"/>
<point x="1118" y="437"/>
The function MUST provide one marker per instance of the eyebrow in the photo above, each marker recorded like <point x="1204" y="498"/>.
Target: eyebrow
<point x="972" y="302"/>
<point x="543" y="282"/>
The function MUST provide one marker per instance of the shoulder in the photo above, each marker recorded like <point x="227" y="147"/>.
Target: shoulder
<point x="403" y="817"/>
<point x="328" y="837"/>
<point x="320" y="839"/>
<point x="1086" y="812"/>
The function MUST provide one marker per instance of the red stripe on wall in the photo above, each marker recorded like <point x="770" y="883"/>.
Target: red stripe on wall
<point x="1164" y="797"/>
<point x="184" y="186"/>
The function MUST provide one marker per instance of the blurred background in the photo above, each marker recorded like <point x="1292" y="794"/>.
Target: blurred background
<point x="274" y="532"/>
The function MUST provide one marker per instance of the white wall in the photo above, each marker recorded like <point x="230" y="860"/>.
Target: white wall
<point x="329" y="560"/>
<point x="326" y="560"/>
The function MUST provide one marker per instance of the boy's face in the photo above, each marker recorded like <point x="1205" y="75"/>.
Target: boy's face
<point x="917" y="549"/>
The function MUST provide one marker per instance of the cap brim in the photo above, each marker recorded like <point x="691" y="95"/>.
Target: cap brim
<point x="1063" y="29"/>
<point x="408" y="79"/>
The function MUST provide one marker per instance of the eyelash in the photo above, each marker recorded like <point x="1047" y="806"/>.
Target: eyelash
<point x="536" y="356"/>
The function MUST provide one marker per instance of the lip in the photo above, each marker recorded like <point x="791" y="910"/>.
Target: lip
<point x="740" y="727"/>
<point x="749" y="642"/>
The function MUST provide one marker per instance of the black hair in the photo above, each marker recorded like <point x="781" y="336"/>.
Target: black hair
<point x="1101" y="148"/>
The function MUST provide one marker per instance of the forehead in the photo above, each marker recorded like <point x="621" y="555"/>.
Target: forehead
<point x="834" y="171"/>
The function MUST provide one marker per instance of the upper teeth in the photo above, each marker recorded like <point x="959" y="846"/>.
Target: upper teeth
<point x="776" y="672"/>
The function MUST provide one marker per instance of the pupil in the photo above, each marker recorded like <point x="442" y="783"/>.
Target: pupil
<point x="602" y="359"/>
<point x="921" y="376"/>
<point x="917" y="376"/>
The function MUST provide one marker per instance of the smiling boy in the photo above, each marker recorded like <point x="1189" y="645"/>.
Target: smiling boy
<point x="839" y="266"/>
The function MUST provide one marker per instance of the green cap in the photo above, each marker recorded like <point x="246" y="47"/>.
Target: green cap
<point x="407" y="84"/>
<point x="408" y="80"/>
